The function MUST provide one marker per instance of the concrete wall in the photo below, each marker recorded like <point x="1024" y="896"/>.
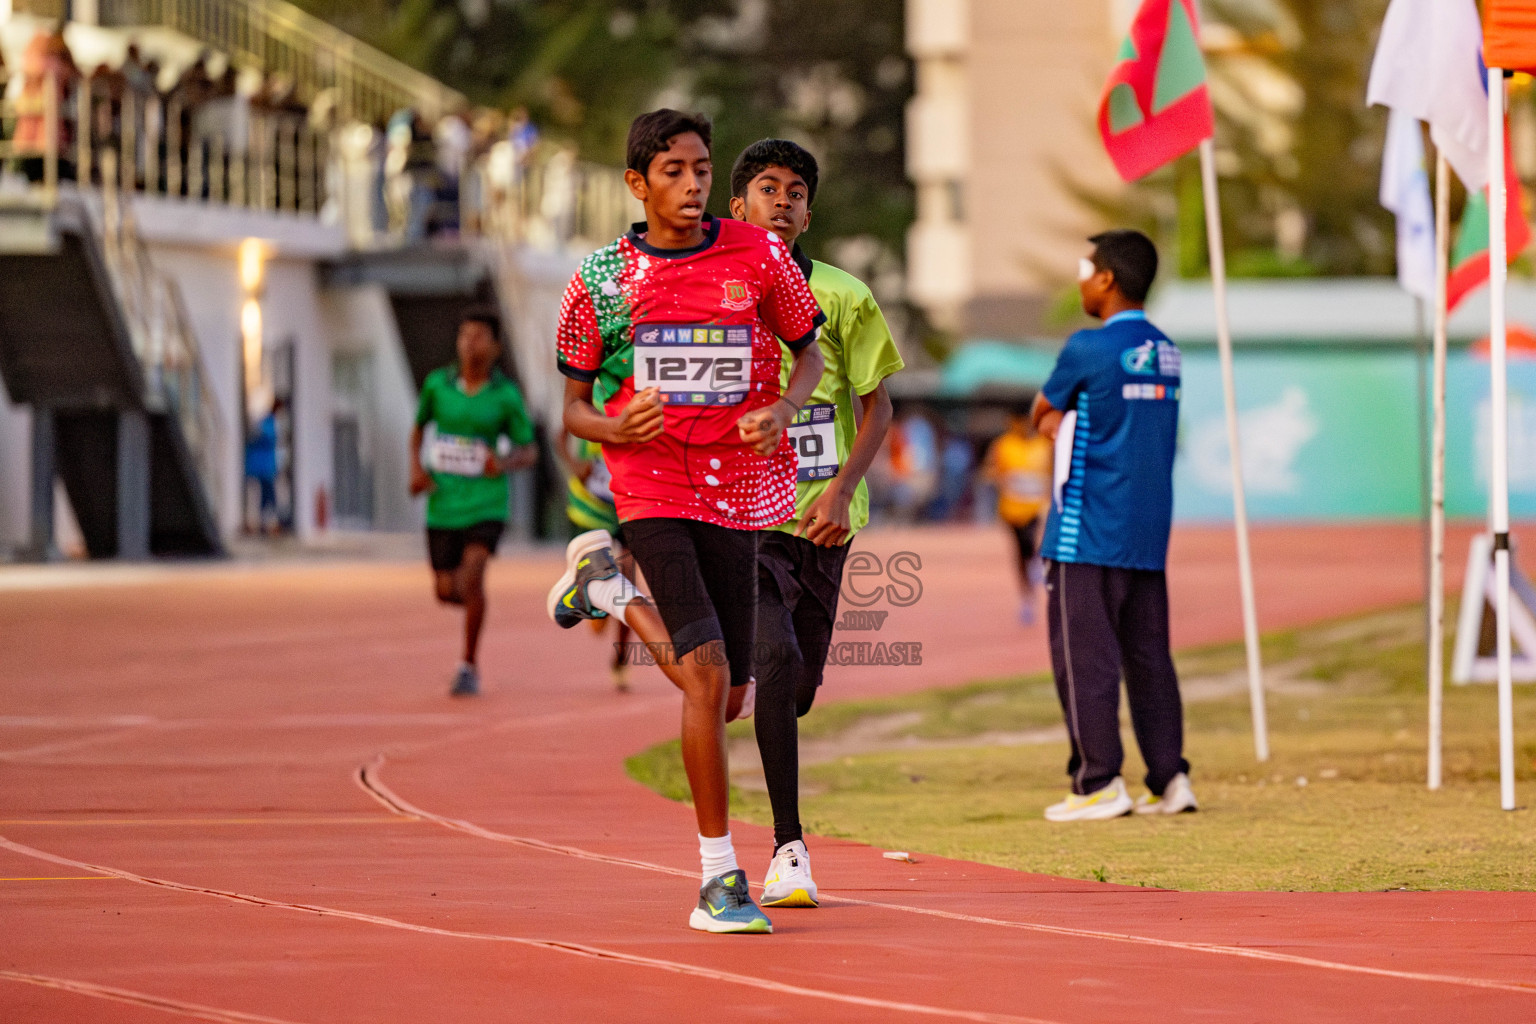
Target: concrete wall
<point x="198" y="249"/>
<point x="1001" y="142"/>
<point x="359" y="321"/>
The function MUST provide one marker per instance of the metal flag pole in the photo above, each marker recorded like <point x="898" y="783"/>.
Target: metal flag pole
<point x="1436" y="638"/>
<point x="1498" y="494"/>
<point x="1239" y="502"/>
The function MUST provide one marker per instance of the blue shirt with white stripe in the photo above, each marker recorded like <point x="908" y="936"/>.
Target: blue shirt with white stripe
<point x="1115" y="506"/>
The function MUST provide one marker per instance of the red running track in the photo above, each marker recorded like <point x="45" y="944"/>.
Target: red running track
<point x="241" y="795"/>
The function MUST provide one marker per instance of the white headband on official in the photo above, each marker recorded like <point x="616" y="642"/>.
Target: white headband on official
<point x="1086" y="269"/>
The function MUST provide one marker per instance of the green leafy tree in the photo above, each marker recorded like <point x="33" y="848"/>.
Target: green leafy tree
<point x="832" y="75"/>
<point x="1299" y="153"/>
<point x="1321" y="186"/>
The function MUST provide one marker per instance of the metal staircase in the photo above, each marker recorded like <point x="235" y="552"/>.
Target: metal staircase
<point x="95" y="341"/>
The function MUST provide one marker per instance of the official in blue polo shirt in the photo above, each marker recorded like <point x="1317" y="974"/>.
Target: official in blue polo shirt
<point x="1112" y="407"/>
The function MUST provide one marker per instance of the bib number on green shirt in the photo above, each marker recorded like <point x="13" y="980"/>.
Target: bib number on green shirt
<point x="694" y="364"/>
<point x="814" y="435"/>
<point x="459" y="456"/>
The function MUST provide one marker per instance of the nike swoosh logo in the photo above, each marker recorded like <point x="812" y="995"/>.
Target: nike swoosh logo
<point x="715" y="913"/>
<point x="567" y="600"/>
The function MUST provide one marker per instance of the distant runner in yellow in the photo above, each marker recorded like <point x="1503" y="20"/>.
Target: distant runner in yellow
<point x="1019" y="465"/>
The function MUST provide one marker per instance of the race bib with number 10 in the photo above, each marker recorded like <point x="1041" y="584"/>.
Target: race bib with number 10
<point x="694" y="364"/>
<point x="814" y="435"/>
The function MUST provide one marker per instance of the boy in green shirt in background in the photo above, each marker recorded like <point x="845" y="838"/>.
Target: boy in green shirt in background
<point x="466" y="410"/>
<point x="800" y="564"/>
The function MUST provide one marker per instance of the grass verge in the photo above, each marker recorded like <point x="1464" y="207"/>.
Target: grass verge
<point x="1342" y="804"/>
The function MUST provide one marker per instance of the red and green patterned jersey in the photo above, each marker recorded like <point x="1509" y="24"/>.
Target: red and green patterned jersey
<point x="702" y="326"/>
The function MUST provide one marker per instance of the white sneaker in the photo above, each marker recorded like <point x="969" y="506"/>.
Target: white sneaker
<point x="1110" y="802"/>
<point x="789" y="882"/>
<point x="1177" y="798"/>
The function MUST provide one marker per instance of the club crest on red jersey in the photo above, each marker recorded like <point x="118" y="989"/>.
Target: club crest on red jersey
<point x="737" y="298"/>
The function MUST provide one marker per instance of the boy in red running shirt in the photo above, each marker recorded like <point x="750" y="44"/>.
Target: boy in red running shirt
<point x="669" y="338"/>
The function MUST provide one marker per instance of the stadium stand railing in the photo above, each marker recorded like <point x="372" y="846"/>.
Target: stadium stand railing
<point x="279" y="38"/>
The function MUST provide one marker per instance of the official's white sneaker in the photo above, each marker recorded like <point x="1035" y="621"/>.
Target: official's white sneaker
<point x="789" y="882"/>
<point x="1177" y="798"/>
<point x="1110" y="802"/>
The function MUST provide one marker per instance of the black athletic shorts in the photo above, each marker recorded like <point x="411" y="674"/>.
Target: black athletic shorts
<point x="445" y="548"/>
<point x="798" y="585"/>
<point x="703" y="580"/>
<point x="1025" y="538"/>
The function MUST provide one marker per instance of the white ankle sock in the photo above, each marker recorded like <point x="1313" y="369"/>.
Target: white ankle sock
<point x="718" y="856"/>
<point x="613" y="595"/>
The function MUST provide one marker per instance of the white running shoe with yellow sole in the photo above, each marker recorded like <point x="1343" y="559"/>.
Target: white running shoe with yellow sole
<point x="1110" y="802"/>
<point x="1178" y="797"/>
<point x="789" y="882"/>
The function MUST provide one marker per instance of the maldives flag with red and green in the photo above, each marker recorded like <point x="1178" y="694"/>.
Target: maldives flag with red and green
<point x="1156" y="106"/>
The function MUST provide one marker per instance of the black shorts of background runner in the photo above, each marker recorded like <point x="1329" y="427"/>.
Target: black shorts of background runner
<point x="797" y="589"/>
<point x="703" y="580"/>
<point x="445" y="548"/>
<point x="1027" y="539"/>
<point x="1103" y="621"/>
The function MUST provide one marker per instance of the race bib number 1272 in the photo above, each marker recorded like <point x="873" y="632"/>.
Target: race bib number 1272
<point x="694" y="364"/>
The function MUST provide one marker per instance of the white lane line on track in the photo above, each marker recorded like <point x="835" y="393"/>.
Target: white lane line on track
<point x="368" y="778"/>
<point x="73" y="722"/>
<point x="60" y="746"/>
<point x="125" y="727"/>
<point x="123" y="995"/>
<point x="554" y="945"/>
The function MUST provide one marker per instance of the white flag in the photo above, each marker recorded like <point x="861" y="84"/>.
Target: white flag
<point x="1429" y="64"/>
<point x="1405" y="191"/>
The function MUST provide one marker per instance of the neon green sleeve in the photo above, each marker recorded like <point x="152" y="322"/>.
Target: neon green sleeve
<point x="869" y="351"/>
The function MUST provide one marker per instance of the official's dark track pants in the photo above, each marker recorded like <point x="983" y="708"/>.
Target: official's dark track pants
<point x="1103" y="622"/>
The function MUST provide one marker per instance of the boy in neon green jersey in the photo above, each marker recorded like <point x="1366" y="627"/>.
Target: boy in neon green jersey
<point x="467" y="408"/>
<point x="800" y="564"/>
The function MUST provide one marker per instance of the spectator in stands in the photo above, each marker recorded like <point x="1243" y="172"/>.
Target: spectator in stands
<point x="411" y="174"/>
<point x="378" y="163"/>
<point x="143" y="102"/>
<point x="225" y="122"/>
<point x="452" y="140"/>
<point x="523" y="134"/>
<point x="478" y="190"/>
<point x="184" y="106"/>
<point x="557" y="206"/>
<point x="107" y="89"/>
<point x="46" y="58"/>
<point x="138" y="74"/>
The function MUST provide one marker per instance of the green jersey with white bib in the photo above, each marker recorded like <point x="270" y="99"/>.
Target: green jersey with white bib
<point x="461" y="432"/>
<point x="859" y="351"/>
